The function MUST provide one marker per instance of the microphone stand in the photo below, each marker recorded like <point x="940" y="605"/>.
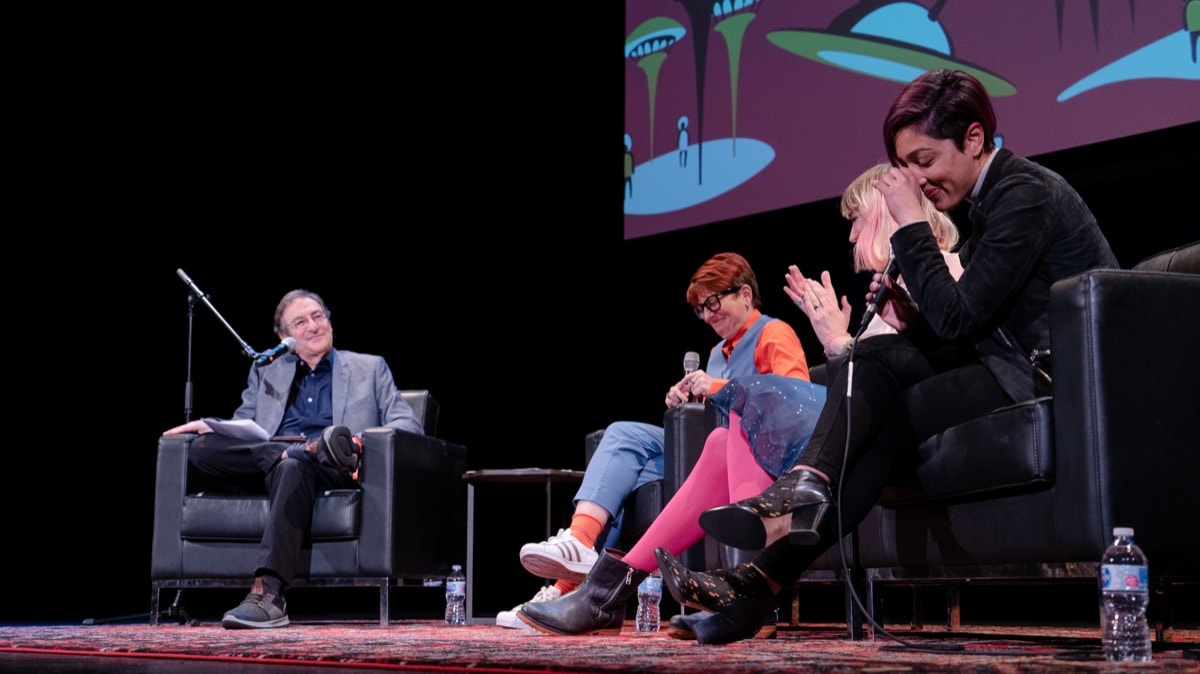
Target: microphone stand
<point x="196" y="292"/>
<point x="175" y="611"/>
<point x="187" y="386"/>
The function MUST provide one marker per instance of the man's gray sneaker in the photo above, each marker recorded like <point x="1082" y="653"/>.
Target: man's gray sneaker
<point x="257" y="611"/>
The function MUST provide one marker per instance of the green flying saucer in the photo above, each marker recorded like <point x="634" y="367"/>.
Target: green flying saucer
<point x="897" y="42"/>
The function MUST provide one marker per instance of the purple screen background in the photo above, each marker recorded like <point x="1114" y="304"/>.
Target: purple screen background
<point x="823" y="123"/>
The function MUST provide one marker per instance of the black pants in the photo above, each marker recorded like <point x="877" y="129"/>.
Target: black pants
<point x="900" y="392"/>
<point x="227" y="465"/>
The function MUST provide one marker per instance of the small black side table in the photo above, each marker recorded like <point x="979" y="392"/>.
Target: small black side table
<point x="548" y="476"/>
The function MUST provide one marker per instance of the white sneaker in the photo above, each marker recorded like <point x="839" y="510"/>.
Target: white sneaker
<point x="510" y="620"/>
<point x="561" y="557"/>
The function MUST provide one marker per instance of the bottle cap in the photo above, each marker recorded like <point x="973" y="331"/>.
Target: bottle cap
<point x="1122" y="531"/>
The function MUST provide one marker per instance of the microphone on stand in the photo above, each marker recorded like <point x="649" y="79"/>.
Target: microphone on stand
<point x="287" y="345"/>
<point x="190" y="284"/>
<point x="691" y="363"/>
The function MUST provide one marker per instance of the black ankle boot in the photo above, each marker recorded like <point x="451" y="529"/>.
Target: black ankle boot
<point x="597" y="606"/>
<point x="680" y="626"/>
<point x="743" y="620"/>
<point x="739" y="598"/>
<point x="684" y="626"/>
<point x="812" y="505"/>
<point x="801" y="493"/>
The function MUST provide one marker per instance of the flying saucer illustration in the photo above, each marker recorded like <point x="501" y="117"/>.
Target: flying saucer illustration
<point x="896" y="41"/>
<point x="1167" y="58"/>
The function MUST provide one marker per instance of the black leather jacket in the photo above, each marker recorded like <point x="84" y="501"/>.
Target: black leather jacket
<point x="1029" y="228"/>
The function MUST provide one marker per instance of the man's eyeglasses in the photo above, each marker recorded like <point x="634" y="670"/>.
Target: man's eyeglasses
<point x="713" y="301"/>
<point x="301" y="323"/>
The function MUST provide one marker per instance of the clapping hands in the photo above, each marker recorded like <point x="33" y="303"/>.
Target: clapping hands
<point x="819" y="302"/>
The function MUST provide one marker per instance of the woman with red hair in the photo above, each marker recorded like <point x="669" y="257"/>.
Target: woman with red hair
<point x="723" y="292"/>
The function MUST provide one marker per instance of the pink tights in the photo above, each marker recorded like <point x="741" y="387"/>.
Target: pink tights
<point x="725" y="472"/>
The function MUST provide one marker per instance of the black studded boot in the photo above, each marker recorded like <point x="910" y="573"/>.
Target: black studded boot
<point x="801" y="493"/>
<point x="597" y="606"/>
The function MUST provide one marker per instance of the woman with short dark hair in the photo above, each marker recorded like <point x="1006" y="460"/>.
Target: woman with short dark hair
<point x="964" y="346"/>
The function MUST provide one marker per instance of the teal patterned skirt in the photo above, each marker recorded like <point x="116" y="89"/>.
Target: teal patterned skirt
<point x="778" y="414"/>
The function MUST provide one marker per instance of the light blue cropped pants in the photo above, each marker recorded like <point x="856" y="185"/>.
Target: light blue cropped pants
<point x="630" y="454"/>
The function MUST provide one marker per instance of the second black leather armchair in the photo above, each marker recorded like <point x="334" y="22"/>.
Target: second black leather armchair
<point x="404" y="525"/>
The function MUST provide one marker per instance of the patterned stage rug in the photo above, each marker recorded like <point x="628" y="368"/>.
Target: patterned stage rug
<point x="432" y="646"/>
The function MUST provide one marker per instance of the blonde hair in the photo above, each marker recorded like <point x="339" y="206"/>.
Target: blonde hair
<point x="871" y="249"/>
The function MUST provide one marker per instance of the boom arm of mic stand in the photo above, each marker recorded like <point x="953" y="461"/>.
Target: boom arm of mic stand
<point x="204" y="298"/>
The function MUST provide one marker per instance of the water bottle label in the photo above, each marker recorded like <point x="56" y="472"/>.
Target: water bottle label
<point x="456" y="587"/>
<point x="1124" y="578"/>
<point x="651" y="584"/>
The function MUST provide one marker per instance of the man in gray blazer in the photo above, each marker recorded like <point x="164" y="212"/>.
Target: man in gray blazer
<point x="313" y="404"/>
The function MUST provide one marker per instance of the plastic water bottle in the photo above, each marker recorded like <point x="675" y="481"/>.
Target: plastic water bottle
<point x="456" y="596"/>
<point x="1124" y="595"/>
<point x="649" y="597"/>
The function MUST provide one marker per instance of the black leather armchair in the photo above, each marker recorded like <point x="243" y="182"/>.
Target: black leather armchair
<point x="383" y="534"/>
<point x="1032" y="491"/>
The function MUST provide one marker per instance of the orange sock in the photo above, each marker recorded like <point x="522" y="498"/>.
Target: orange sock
<point x="586" y="529"/>
<point x="565" y="586"/>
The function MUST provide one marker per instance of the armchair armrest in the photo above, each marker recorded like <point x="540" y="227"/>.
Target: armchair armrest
<point x="1125" y="403"/>
<point x="687" y="427"/>
<point x="414" y="500"/>
<point x="591" y="442"/>
<point x="170" y="481"/>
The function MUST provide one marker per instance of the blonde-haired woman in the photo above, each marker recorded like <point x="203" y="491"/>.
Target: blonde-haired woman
<point x="871" y="227"/>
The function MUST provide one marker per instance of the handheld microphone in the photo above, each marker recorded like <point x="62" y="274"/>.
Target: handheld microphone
<point x="691" y="363"/>
<point x="892" y="271"/>
<point x="287" y="345"/>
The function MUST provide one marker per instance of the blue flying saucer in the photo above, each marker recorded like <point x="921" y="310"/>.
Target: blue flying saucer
<point x="895" y="42"/>
<point x="1168" y="58"/>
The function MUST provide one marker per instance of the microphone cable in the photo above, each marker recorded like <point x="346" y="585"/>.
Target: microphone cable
<point x="876" y="303"/>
